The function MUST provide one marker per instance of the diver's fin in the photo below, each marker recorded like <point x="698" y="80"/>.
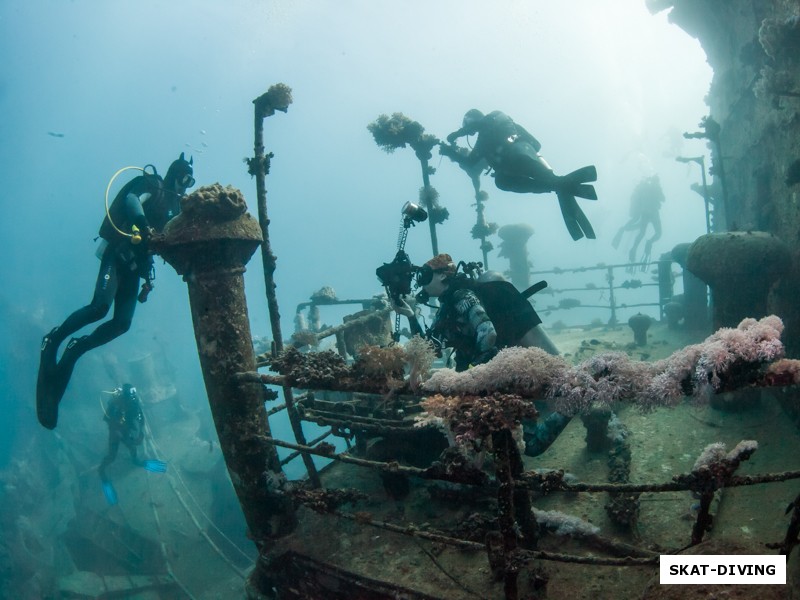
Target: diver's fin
<point x="582" y="175"/>
<point x="584" y="190"/>
<point x="583" y="221"/>
<point x="154" y="466"/>
<point x="63" y="371"/>
<point x="567" y="214"/>
<point x="110" y="493"/>
<point x="577" y="223"/>
<point x="46" y="408"/>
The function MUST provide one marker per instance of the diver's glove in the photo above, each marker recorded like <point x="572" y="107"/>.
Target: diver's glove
<point x="147" y="287"/>
<point x="402" y="307"/>
<point x="149" y="276"/>
<point x="484" y="356"/>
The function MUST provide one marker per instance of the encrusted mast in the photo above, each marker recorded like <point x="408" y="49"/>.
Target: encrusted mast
<point x="278" y="97"/>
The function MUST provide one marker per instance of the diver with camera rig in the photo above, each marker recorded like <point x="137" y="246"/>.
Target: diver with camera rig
<point x="477" y="314"/>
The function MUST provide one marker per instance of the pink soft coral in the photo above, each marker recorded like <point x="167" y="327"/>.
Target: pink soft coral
<point x="728" y="354"/>
<point x="524" y="371"/>
<point x="601" y="381"/>
<point x="727" y="359"/>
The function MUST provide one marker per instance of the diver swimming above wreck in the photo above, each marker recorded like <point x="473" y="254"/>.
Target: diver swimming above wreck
<point x="513" y="154"/>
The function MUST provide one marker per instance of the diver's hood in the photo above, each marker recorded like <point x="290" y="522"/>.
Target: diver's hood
<point x="179" y="168"/>
<point x="471" y="120"/>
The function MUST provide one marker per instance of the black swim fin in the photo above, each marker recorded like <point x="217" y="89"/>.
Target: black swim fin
<point x="63" y="371"/>
<point x="575" y="183"/>
<point x="46" y="409"/>
<point x="582" y="175"/>
<point x="576" y="221"/>
<point x="584" y="190"/>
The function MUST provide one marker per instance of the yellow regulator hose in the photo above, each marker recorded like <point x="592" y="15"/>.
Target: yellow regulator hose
<point x="135" y="236"/>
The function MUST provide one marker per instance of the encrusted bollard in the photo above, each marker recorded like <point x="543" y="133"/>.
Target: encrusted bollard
<point x="740" y="267"/>
<point x="209" y="244"/>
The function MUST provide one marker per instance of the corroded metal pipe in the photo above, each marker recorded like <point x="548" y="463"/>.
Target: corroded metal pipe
<point x="278" y="97"/>
<point x="209" y="244"/>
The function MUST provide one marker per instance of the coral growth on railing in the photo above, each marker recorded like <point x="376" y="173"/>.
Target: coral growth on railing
<point x="728" y="359"/>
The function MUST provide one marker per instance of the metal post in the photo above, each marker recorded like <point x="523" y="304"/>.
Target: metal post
<point x="611" y="300"/>
<point x="482" y="228"/>
<point x="278" y="97"/>
<point x="426" y="181"/>
<point x="705" y="193"/>
<point x="665" y="284"/>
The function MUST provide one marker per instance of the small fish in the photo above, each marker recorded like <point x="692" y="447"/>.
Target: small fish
<point x="55" y="134"/>
<point x="202" y="132"/>
<point x="204" y="144"/>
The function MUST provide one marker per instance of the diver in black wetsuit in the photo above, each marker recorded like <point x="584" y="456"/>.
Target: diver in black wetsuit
<point x="143" y="206"/>
<point x="513" y="154"/>
<point x="125" y="426"/>
<point x="476" y="317"/>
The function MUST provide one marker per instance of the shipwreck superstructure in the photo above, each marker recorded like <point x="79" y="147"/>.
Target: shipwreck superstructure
<point x="418" y="486"/>
<point x="444" y="442"/>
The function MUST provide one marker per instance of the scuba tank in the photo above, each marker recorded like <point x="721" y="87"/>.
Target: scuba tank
<point x="118" y="222"/>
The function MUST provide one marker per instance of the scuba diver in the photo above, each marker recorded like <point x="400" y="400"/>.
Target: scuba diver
<point x="646" y="201"/>
<point x="142" y="207"/>
<point x="513" y="154"/>
<point x="125" y="425"/>
<point x="476" y="317"/>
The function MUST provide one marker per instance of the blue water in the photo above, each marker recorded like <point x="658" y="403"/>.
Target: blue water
<point x="89" y="87"/>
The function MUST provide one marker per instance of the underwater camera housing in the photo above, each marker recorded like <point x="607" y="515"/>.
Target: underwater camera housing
<point x="397" y="275"/>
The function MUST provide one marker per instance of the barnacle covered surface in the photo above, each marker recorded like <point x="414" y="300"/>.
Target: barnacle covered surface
<point x="323" y="370"/>
<point x="214" y="202"/>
